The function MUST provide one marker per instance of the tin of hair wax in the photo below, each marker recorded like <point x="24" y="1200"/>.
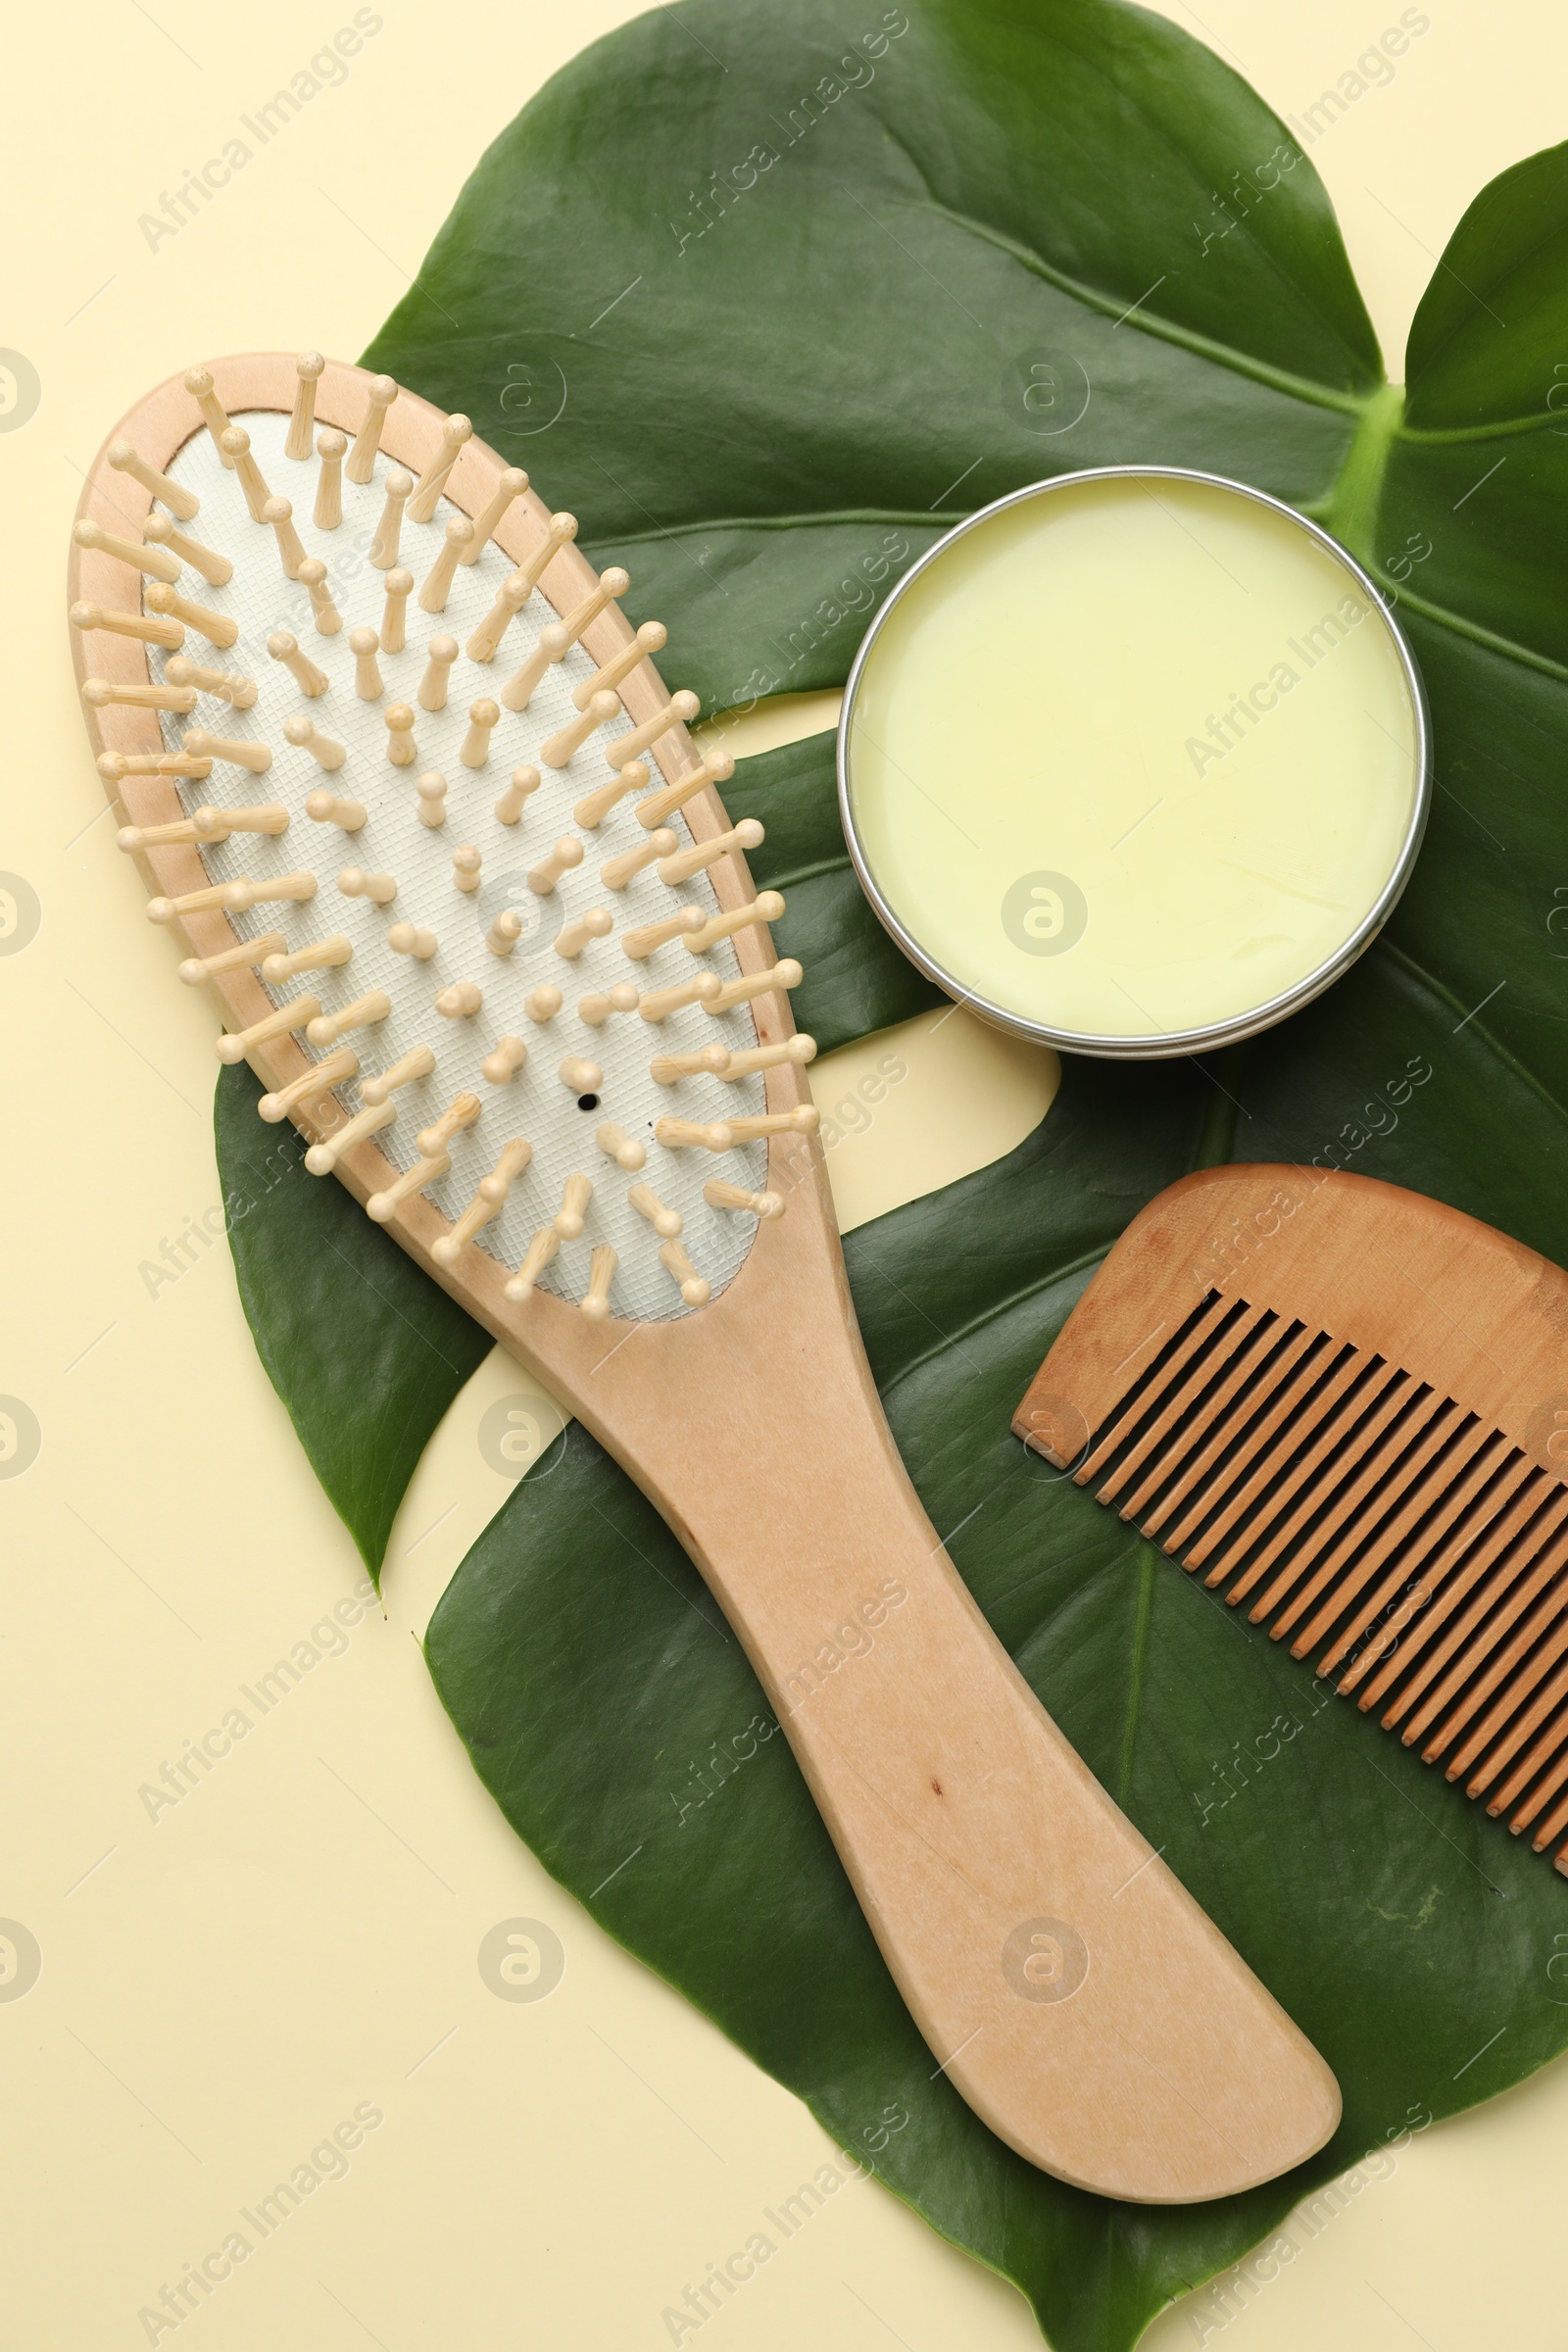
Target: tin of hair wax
<point x="1134" y="762"/>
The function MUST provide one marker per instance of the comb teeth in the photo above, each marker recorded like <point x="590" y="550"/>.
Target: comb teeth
<point x="1417" y="1554"/>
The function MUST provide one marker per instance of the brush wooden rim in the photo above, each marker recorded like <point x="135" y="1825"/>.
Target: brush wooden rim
<point x="546" y="1332"/>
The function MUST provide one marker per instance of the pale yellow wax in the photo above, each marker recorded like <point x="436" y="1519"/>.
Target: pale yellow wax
<point x="1133" y="758"/>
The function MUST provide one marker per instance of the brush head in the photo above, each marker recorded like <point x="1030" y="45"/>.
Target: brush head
<point x="478" y="912"/>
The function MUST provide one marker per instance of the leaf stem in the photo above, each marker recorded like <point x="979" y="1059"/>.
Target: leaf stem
<point x="1352" y="511"/>
<point x="1152" y="322"/>
<point x="1437" y="437"/>
<point x="1442" y="618"/>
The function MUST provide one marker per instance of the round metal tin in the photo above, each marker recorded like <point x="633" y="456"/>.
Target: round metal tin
<point x="1165" y="1044"/>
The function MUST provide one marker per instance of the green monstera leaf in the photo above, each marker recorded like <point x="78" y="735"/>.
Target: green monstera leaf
<point x="314" y="1270"/>
<point x="1399" y="1928"/>
<point x="768" y="298"/>
<point x="855" y="979"/>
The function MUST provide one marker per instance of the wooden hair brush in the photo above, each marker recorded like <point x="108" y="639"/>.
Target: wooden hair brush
<point x="1349" y="1407"/>
<point x="382" y="739"/>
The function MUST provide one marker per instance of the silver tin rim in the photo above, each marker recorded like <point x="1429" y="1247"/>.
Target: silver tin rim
<point x="1165" y="1044"/>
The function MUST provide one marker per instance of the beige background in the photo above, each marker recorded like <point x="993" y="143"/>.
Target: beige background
<point x="223" y="1985"/>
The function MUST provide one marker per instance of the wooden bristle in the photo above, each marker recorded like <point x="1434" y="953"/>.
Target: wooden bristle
<point x="156" y="562"/>
<point x="279" y="513"/>
<point x="417" y="1063"/>
<point x="510" y="485"/>
<point x="438" y="579"/>
<point x="393" y="631"/>
<point x="440" y="653"/>
<point x="309" y="369"/>
<point x="595" y="1304"/>
<point x="180" y="502"/>
<point x="217" y="627"/>
<point x="217" y="571"/>
<point x="198" y="385"/>
<point x="455" y="432"/>
<point x="324" y="612"/>
<point x="328" y="513"/>
<point x="389" y="530"/>
<point x="379" y="396"/>
<point x="519" y="690"/>
<point x="322" y="1157"/>
<point x="487" y="1203"/>
<point x="649" y="640"/>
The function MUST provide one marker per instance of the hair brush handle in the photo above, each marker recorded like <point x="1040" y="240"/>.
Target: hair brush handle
<point x="1075" y="1993"/>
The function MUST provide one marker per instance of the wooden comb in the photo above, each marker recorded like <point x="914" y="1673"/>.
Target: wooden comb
<point x="1348" y="1405"/>
<point x="339" y="687"/>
